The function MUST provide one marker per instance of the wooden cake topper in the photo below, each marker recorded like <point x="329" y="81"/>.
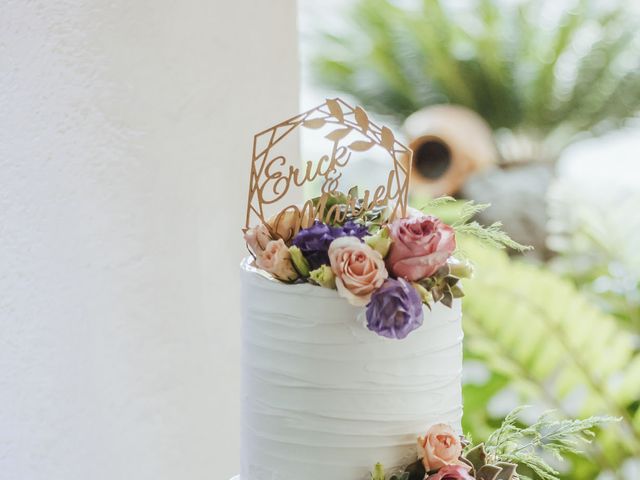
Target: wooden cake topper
<point x="349" y="130"/>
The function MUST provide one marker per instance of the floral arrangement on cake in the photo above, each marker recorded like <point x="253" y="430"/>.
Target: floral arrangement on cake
<point x="507" y="454"/>
<point x="390" y="266"/>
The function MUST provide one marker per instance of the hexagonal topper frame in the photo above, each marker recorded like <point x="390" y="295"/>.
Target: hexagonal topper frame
<point x="347" y="119"/>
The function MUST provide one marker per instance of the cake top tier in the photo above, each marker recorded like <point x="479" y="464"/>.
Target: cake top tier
<point x="363" y="241"/>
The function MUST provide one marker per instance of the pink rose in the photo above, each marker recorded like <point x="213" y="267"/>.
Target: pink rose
<point x="421" y="245"/>
<point x="257" y="238"/>
<point x="358" y="268"/>
<point x="440" y="447"/>
<point x="452" y="472"/>
<point x="276" y="260"/>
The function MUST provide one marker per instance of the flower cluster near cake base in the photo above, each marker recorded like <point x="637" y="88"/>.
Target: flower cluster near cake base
<point x="442" y="455"/>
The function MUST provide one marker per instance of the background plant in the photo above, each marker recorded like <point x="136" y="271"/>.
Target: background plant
<point x="542" y="338"/>
<point x="526" y="65"/>
<point x="596" y="239"/>
<point x="525" y="446"/>
<point x="545" y="342"/>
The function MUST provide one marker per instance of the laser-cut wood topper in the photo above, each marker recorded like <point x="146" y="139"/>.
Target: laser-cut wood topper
<point x="351" y="130"/>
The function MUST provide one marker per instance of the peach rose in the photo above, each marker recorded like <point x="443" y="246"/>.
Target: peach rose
<point x="276" y="260"/>
<point x="358" y="268"/>
<point x="421" y="245"/>
<point x="441" y="446"/>
<point x="257" y="238"/>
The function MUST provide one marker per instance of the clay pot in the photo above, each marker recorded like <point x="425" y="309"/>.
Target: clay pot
<point x="449" y="143"/>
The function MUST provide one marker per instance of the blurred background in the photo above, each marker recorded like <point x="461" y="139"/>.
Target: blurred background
<point x="125" y="144"/>
<point x="531" y="106"/>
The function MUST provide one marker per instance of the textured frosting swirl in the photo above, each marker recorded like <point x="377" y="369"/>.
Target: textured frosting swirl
<point x="324" y="397"/>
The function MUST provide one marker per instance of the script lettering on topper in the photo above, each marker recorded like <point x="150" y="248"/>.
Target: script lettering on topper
<point x="349" y="132"/>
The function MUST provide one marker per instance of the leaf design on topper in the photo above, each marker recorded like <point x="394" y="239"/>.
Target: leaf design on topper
<point x="387" y="138"/>
<point x="314" y="123"/>
<point x="334" y="108"/>
<point x="360" y="146"/>
<point x="362" y="118"/>
<point x="338" y="134"/>
<point x="347" y="131"/>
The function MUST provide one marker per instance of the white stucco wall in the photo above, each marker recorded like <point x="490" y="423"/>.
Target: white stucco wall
<point x="125" y="139"/>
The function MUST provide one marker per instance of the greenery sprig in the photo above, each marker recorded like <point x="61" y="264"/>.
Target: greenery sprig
<point x="492" y="235"/>
<point x="521" y="445"/>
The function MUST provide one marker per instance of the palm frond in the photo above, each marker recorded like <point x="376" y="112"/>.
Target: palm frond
<point x="579" y="73"/>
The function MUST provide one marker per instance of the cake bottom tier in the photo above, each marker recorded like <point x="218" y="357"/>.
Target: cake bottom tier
<point x="325" y="398"/>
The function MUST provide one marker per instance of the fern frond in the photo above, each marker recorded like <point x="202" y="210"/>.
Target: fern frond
<point x="469" y="210"/>
<point x="540" y="333"/>
<point x="437" y="202"/>
<point x="521" y="445"/>
<point x="492" y="235"/>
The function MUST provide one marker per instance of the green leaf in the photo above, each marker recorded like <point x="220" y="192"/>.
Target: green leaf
<point x="488" y="472"/>
<point x="520" y="445"/>
<point x="477" y="456"/>
<point x="539" y="332"/>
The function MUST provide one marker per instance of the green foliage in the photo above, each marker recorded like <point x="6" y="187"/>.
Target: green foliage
<point x="596" y="239"/>
<point x="540" y="336"/>
<point x="515" y="63"/>
<point x="379" y="474"/>
<point x="492" y="235"/>
<point x="522" y="445"/>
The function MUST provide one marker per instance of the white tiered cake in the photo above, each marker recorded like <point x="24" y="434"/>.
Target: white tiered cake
<point x="326" y="398"/>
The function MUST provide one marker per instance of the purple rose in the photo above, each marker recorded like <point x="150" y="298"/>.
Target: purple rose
<point x="314" y="241"/>
<point x="395" y="309"/>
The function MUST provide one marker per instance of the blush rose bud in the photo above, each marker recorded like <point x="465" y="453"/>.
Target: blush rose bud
<point x="257" y="239"/>
<point x="425" y="295"/>
<point x="276" y="260"/>
<point x="460" y="268"/>
<point x="378" y="472"/>
<point x="380" y="242"/>
<point x="299" y="262"/>
<point x="441" y="446"/>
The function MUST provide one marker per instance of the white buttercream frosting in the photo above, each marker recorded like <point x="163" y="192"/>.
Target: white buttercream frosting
<point x="324" y="397"/>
